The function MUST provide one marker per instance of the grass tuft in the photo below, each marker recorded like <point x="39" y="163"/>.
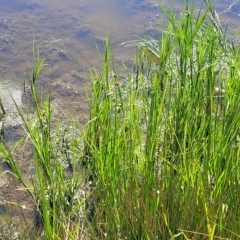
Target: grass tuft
<point x="160" y="151"/>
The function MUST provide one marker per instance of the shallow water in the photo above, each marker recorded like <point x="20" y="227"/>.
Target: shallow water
<point x="66" y="33"/>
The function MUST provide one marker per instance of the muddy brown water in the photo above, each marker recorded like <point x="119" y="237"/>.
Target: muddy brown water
<point x="66" y="34"/>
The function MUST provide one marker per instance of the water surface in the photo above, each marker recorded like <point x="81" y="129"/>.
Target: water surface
<point x="66" y="33"/>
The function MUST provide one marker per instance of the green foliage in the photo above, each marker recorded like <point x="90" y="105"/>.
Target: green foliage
<point x="161" y="147"/>
<point x="54" y="187"/>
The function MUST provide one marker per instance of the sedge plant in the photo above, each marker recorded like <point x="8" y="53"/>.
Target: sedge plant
<point x="162" y="145"/>
<point x="55" y="187"/>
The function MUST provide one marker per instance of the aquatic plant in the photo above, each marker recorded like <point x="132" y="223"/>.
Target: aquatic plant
<point x="56" y="185"/>
<point x="163" y="145"/>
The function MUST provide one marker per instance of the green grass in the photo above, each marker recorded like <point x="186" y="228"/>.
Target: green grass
<point x="161" y="146"/>
<point x="56" y="183"/>
<point x="167" y="162"/>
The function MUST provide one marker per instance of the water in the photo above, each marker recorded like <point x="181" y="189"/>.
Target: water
<point x="66" y="33"/>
